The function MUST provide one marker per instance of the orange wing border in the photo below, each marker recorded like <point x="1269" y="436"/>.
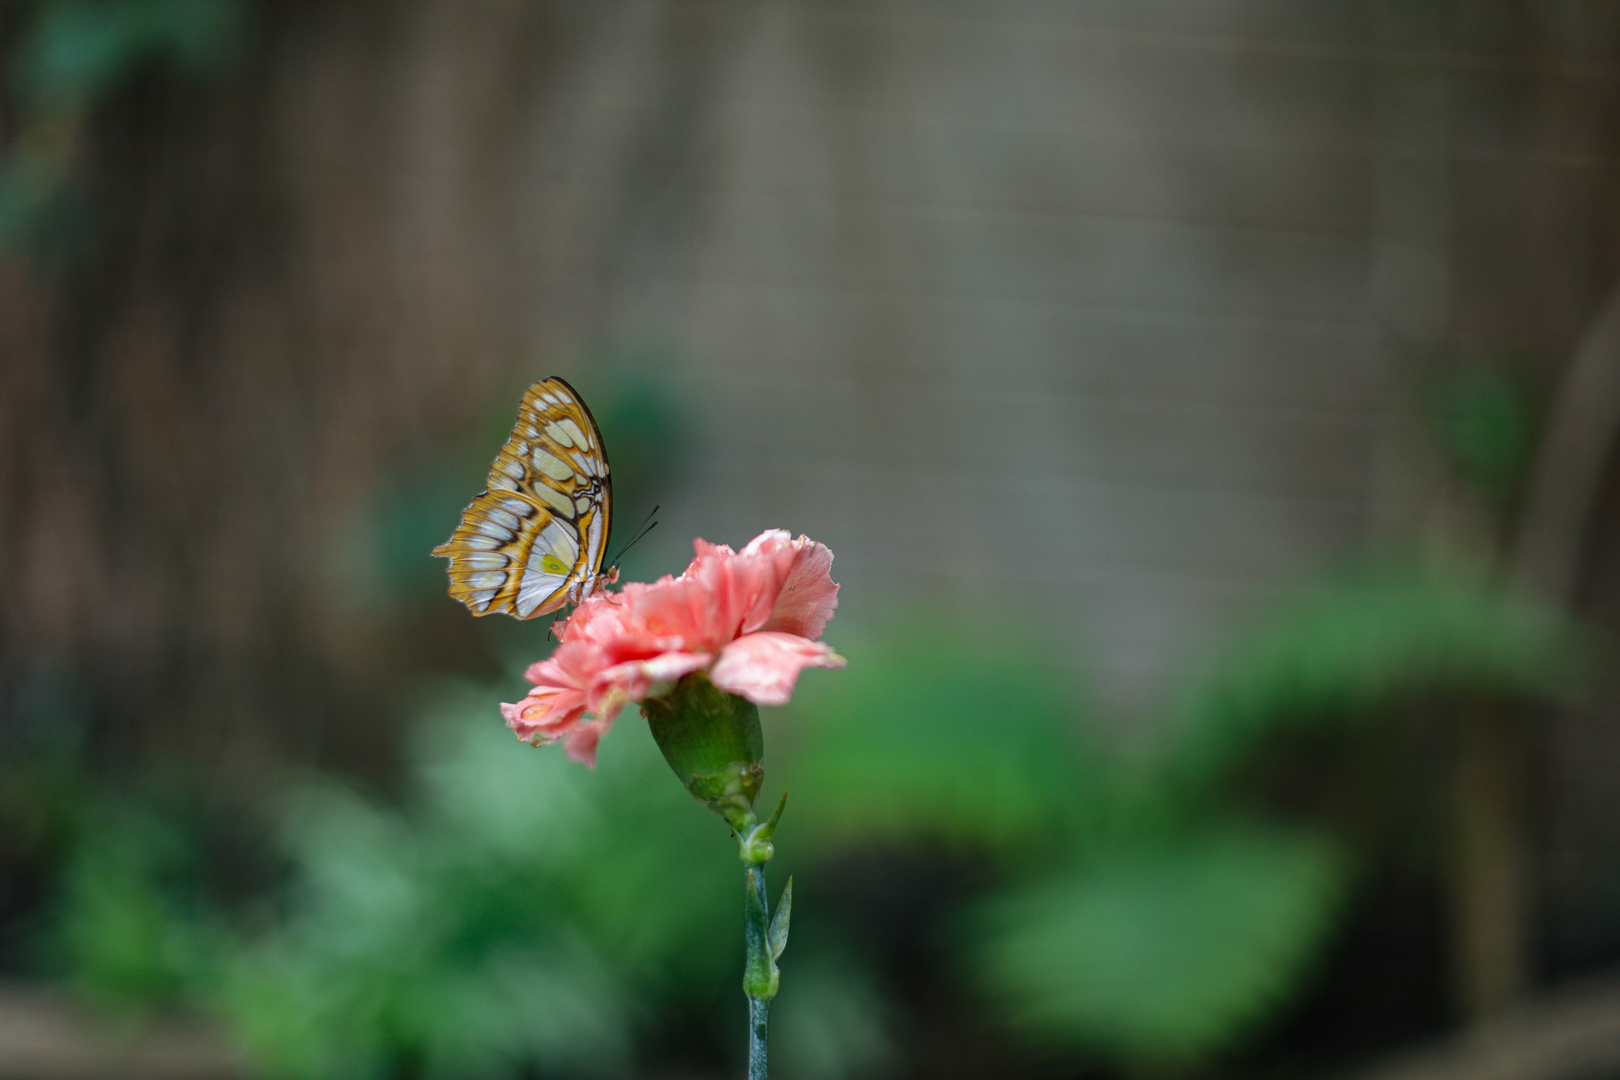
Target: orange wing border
<point x="542" y="475"/>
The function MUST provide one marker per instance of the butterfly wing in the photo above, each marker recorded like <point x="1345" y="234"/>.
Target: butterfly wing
<point x="536" y="538"/>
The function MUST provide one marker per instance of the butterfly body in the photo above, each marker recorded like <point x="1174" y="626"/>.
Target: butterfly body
<point x="535" y="539"/>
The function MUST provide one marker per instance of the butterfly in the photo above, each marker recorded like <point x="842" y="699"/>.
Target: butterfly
<point x="534" y="540"/>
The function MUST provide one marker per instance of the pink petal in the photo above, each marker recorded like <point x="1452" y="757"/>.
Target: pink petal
<point x="634" y="679"/>
<point x="809" y="595"/>
<point x="764" y="667"/>
<point x="769" y="558"/>
<point x="545" y="715"/>
<point x="723" y="594"/>
<point x="700" y="610"/>
<point x="767" y="542"/>
<point x="581" y="745"/>
<point x="703" y="550"/>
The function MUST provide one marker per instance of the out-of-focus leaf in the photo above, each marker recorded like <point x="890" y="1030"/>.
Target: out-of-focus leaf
<point x="80" y="50"/>
<point x="500" y="920"/>
<point x="1344" y="652"/>
<point x="929" y="733"/>
<point x="125" y="924"/>
<point x="1161" y="955"/>
<point x="1485" y="423"/>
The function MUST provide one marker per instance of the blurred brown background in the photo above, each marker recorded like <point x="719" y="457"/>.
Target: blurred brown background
<point x="1116" y="318"/>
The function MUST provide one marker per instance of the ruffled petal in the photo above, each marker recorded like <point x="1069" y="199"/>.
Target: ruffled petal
<point x="581" y="744"/>
<point x="749" y="614"/>
<point x="633" y="680"/>
<point x="809" y="595"/>
<point x="768" y="542"/>
<point x="764" y="667"/>
<point x="724" y="594"/>
<point x="545" y="715"/>
<point x="769" y="558"/>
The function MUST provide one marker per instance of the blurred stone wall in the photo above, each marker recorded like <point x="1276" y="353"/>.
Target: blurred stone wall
<point x="1063" y="308"/>
<point x="1103" y="314"/>
<point x="1108" y="313"/>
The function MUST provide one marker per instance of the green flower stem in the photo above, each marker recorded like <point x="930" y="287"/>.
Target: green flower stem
<point x="764" y="936"/>
<point x="759" y="1006"/>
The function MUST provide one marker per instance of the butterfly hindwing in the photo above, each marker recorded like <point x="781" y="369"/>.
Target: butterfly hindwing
<point x="536" y="538"/>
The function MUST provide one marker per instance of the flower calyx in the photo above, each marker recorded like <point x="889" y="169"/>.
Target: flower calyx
<point x="712" y="740"/>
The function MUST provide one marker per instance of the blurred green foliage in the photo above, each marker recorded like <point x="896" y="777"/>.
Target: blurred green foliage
<point x="81" y="51"/>
<point x="514" y="913"/>
<point x="1129" y="921"/>
<point x="1343" y="653"/>
<point x="927" y="735"/>
<point x="833" y="1022"/>
<point x="135" y="926"/>
<point x="517" y="910"/>
<point x="1149" y="912"/>
<point x="1166" y="952"/>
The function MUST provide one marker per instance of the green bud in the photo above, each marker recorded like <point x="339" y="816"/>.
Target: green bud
<point x="713" y="742"/>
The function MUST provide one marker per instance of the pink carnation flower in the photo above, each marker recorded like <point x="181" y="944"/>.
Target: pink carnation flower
<point x="751" y="619"/>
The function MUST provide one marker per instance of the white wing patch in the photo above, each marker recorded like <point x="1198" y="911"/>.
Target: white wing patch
<point x="555" y="542"/>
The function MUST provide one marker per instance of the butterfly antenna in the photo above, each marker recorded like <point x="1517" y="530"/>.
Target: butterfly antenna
<point x="647" y="525"/>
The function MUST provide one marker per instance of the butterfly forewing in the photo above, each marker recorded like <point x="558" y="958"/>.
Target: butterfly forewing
<point x="536" y="538"/>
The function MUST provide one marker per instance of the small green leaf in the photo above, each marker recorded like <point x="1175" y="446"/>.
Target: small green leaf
<point x="779" y="922"/>
<point x="760" y="975"/>
<point x="768" y="830"/>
